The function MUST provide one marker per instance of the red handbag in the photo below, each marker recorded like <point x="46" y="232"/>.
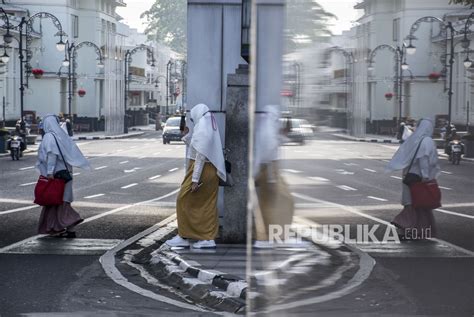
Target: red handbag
<point x="425" y="195"/>
<point x="49" y="192"/>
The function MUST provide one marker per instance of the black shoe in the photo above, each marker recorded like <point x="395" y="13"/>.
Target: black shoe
<point x="67" y="235"/>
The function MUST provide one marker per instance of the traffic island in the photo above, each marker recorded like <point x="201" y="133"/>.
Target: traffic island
<point x="216" y="279"/>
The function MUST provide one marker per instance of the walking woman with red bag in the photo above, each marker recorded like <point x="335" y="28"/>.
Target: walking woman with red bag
<point x="418" y="158"/>
<point x="57" y="155"/>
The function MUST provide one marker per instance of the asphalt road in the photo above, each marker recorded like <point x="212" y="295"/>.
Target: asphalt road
<point x="124" y="172"/>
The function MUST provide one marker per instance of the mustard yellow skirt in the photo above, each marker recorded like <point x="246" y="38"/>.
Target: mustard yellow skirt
<point x="197" y="212"/>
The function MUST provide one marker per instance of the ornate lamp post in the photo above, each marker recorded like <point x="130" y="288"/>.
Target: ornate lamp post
<point x="25" y="28"/>
<point x="128" y="60"/>
<point x="70" y="56"/>
<point x="400" y="66"/>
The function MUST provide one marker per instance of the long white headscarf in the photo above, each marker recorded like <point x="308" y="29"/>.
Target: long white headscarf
<point x="69" y="149"/>
<point x="206" y="138"/>
<point x="402" y="158"/>
<point x="267" y="137"/>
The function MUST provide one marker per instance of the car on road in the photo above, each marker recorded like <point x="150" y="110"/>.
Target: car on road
<point x="172" y="131"/>
<point x="296" y="130"/>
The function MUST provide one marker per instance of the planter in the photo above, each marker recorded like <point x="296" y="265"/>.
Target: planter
<point x="37" y="73"/>
<point x="434" y="77"/>
<point x="81" y="93"/>
<point x="388" y="96"/>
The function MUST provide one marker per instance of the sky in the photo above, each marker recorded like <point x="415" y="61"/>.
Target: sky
<point x="343" y="9"/>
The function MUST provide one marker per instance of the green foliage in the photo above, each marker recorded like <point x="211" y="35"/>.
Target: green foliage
<point x="307" y="22"/>
<point x="166" y="23"/>
<point x="464" y="2"/>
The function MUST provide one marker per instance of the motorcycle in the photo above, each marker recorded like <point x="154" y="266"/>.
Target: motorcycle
<point x="456" y="152"/>
<point x="16" y="145"/>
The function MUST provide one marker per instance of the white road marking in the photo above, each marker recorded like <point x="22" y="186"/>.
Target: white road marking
<point x="129" y="186"/>
<point x="344" y="187"/>
<point x="376" y="198"/>
<point x="100" y="168"/>
<point x="291" y="171"/>
<point x="124" y="162"/>
<point x="319" y="179"/>
<point x="344" y="172"/>
<point x="445" y="188"/>
<point x="455" y="213"/>
<point x="94" y="196"/>
<point x="142" y="157"/>
<point x="27" y="184"/>
<point x="75" y="174"/>
<point x="369" y="170"/>
<point x="27" y="168"/>
<point x="386" y="161"/>
<point x="154" y="177"/>
<point x="6" y="212"/>
<point x="173" y="169"/>
<point x="396" y="177"/>
<point x="351" y="164"/>
<point x="448" y="173"/>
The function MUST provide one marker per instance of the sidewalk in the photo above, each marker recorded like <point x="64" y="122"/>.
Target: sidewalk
<point x="373" y="138"/>
<point x="216" y="278"/>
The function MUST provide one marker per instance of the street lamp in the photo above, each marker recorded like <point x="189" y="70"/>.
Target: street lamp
<point x="128" y="61"/>
<point x="8" y="39"/>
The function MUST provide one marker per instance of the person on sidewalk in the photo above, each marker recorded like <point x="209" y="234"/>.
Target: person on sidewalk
<point x="57" y="152"/>
<point x="276" y="205"/>
<point x="416" y="223"/>
<point x="196" y="204"/>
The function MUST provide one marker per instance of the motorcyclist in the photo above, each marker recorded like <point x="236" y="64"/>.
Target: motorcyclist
<point x="454" y="137"/>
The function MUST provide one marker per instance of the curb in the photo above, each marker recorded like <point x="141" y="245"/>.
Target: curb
<point x="347" y="137"/>
<point x="466" y="159"/>
<point x="234" y="286"/>
<point x="25" y="151"/>
<point x="114" y="137"/>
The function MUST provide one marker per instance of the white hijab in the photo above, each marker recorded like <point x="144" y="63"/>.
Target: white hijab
<point x="267" y="137"/>
<point x="402" y="158"/>
<point x="206" y="138"/>
<point x="69" y="149"/>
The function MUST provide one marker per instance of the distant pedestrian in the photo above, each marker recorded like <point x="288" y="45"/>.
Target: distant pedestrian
<point x="196" y="204"/>
<point x="401" y="129"/>
<point x="416" y="223"/>
<point x="69" y="129"/>
<point x="57" y="154"/>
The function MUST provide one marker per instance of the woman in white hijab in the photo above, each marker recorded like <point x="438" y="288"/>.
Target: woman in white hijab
<point x="276" y="205"/>
<point x="59" y="220"/>
<point x="416" y="223"/>
<point x="196" y="205"/>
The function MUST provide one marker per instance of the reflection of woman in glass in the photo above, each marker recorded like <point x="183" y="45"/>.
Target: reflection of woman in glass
<point x="416" y="223"/>
<point x="196" y="204"/>
<point x="275" y="200"/>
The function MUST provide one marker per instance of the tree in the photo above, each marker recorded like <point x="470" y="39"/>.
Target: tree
<point x="166" y="23"/>
<point x="464" y="2"/>
<point x="307" y="22"/>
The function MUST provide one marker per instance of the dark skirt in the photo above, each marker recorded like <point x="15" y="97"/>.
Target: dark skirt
<point x="56" y="219"/>
<point x="416" y="223"/>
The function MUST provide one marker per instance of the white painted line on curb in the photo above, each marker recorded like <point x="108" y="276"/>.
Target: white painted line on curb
<point x="124" y="162"/>
<point x="396" y="177"/>
<point x="26" y="168"/>
<point x="377" y="198"/>
<point x="369" y="170"/>
<point x="173" y="169"/>
<point x="6" y="212"/>
<point x="94" y="196"/>
<point x="344" y="187"/>
<point x="154" y="177"/>
<point x="455" y="213"/>
<point x="129" y="186"/>
<point x="27" y="184"/>
<point x="100" y="168"/>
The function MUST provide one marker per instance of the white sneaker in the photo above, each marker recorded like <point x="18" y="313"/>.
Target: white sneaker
<point x="204" y="244"/>
<point x="263" y="244"/>
<point x="177" y="241"/>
